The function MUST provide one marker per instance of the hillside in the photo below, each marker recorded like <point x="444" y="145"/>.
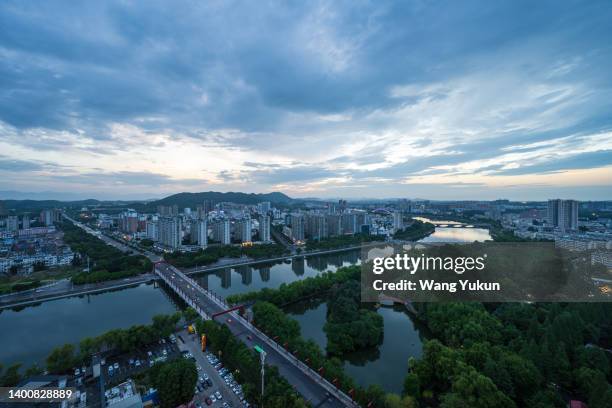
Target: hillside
<point x="192" y="200"/>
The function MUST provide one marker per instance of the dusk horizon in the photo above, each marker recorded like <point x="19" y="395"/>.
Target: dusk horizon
<point x="433" y="100"/>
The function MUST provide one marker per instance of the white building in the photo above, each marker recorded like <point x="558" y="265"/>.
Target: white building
<point x="221" y="232"/>
<point x="152" y="230"/>
<point x="563" y="214"/>
<point x="398" y="221"/>
<point x="12" y="223"/>
<point x="264" y="207"/>
<point x="297" y="227"/>
<point x="199" y="232"/>
<point x="170" y="231"/>
<point x="244" y="230"/>
<point x="264" y="228"/>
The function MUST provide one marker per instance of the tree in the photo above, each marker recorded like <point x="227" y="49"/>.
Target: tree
<point x="175" y="382"/>
<point x="11" y="376"/>
<point x="190" y="314"/>
<point x="474" y="390"/>
<point x="61" y="359"/>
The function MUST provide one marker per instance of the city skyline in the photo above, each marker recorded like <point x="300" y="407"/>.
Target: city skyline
<point x="437" y="101"/>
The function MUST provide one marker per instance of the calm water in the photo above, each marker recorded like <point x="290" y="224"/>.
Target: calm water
<point x="456" y="232"/>
<point x="387" y="364"/>
<point x="242" y="279"/>
<point x="27" y="335"/>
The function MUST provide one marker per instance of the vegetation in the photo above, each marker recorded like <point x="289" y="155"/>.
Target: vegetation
<point x="18" y="286"/>
<point x="192" y="200"/>
<point x="175" y="381"/>
<point x="213" y="253"/>
<point x="244" y="363"/>
<point x="276" y="324"/>
<point x="287" y="293"/>
<point x="147" y="243"/>
<point x="63" y="358"/>
<point x="339" y="241"/>
<point x="513" y="355"/>
<point x="106" y="262"/>
<point x="350" y="326"/>
<point x="417" y="230"/>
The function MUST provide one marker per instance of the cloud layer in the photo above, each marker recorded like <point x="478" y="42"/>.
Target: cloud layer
<point x="356" y="99"/>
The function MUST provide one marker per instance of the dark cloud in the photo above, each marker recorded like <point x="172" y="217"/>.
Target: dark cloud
<point x="302" y="80"/>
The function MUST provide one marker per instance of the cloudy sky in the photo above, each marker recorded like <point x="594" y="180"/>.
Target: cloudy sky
<point x="429" y="99"/>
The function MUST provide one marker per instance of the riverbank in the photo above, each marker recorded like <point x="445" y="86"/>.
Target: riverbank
<point x="61" y="291"/>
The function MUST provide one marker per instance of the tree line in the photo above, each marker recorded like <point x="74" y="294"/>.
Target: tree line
<point x="106" y="262"/>
<point x="64" y="358"/>
<point x="212" y="254"/>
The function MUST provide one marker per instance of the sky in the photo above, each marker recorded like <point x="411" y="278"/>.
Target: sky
<point x="352" y="99"/>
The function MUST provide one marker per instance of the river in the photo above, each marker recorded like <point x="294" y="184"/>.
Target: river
<point x="387" y="364"/>
<point x="28" y="334"/>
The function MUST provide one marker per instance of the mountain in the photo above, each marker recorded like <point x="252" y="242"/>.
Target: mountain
<point x="192" y="200"/>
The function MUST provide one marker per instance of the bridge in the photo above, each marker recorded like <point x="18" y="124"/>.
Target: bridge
<point x="312" y="386"/>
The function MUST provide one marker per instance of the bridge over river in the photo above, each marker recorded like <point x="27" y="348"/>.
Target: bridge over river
<point x="314" y="388"/>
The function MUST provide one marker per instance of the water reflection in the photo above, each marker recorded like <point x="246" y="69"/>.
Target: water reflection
<point x="458" y="234"/>
<point x="386" y="364"/>
<point x="30" y="333"/>
<point x="228" y="281"/>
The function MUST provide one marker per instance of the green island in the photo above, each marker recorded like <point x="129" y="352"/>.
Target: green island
<point x="212" y="254"/>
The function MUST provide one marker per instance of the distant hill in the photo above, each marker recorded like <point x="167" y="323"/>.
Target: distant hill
<point x="192" y="200"/>
<point x="37" y="205"/>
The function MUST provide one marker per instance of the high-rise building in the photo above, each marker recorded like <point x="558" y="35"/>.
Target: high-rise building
<point x="349" y="223"/>
<point x="168" y="210"/>
<point x="316" y="226"/>
<point x="152" y="230"/>
<point x="204" y="209"/>
<point x="398" y="220"/>
<point x="199" y="232"/>
<point x="170" y="231"/>
<point x="128" y="221"/>
<point x="264" y="228"/>
<point x="297" y="227"/>
<point x="25" y="222"/>
<point x="46" y="217"/>
<point x="563" y="214"/>
<point x="334" y="225"/>
<point x="244" y="230"/>
<point x="221" y="232"/>
<point x="263" y="207"/>
<point x="12" y="223"/>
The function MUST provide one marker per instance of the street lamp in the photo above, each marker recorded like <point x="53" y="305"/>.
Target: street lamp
<point x="262" y="358"/>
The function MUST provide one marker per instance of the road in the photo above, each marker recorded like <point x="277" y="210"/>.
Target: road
<point x="192" y="344"/>
<point x="65" y="289"/>
<point x="113" y="242"/>
<point x="306" y="383"/>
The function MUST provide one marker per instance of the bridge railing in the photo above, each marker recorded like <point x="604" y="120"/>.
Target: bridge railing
<point x="329" y="387"/>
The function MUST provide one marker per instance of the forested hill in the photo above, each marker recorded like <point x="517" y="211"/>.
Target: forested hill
<point x="192" y="200"/>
